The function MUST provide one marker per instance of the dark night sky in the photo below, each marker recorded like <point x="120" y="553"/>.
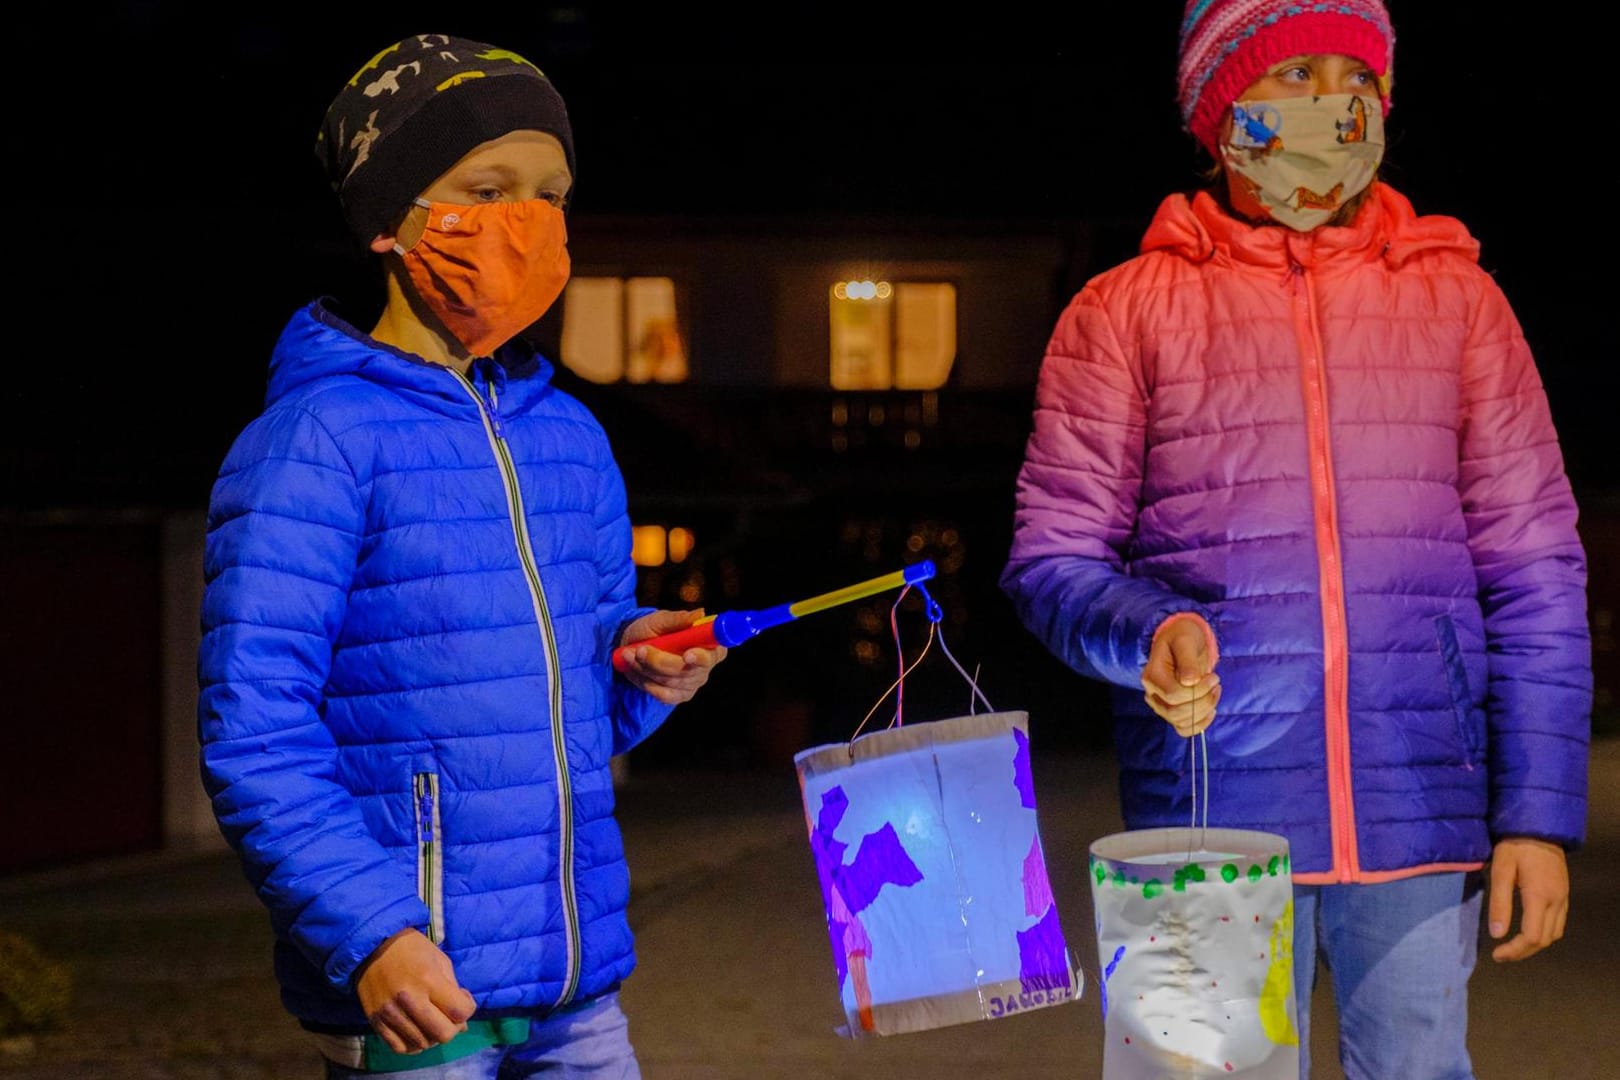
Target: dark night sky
<point x="198" y="220"/>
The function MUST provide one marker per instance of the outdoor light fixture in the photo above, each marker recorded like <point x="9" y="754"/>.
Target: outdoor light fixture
<point x="863" y="290"/>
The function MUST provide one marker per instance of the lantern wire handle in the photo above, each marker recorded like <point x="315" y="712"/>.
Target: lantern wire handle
<point x="1200" y="741"/>
<point x="936" y="618"/>
<point x="936" y="615"/>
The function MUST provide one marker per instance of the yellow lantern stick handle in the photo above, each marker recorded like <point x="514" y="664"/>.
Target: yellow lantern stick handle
<point x="731" y="628"/>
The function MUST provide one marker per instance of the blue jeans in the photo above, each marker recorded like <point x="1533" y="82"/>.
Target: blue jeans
<point x="588" y="1042"/>
<point x="1400" y="955"/>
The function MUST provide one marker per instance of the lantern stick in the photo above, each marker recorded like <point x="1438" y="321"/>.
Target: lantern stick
<point x="730" y="628"/>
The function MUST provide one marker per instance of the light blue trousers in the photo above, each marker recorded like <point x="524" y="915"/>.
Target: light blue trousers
<point x="1399" y="955"/>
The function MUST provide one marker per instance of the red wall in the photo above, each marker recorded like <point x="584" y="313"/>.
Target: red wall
<point x="80" y="686"/>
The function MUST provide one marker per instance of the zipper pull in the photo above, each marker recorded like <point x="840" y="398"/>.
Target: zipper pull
<point x="483" y="379"/>
<point x="495" y="413"/>
<point x="425" y="811"/>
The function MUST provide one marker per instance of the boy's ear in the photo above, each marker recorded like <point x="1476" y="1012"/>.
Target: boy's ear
<point x="382" y="243"/>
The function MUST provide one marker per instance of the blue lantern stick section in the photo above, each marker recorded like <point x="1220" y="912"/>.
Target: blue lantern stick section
<point x="732" y="628"/>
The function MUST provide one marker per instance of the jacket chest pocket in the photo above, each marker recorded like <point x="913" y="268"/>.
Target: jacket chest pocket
<point x="429" y="851"/>
<point x="1469" y="725"/>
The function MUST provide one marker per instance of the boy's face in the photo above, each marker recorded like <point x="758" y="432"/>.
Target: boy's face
<point x="517" y="166"/>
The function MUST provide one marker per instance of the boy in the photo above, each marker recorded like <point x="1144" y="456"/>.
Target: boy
<point x="417" y="568"/>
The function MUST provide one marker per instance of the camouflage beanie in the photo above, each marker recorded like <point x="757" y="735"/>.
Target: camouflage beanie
<point x="417" y="108"/>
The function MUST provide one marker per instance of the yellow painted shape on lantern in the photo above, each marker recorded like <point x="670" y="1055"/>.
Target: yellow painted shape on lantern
<point x="1274" y="1018"/>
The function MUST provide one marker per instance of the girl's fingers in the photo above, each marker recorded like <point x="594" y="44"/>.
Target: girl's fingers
<point x="1187" y="719"/>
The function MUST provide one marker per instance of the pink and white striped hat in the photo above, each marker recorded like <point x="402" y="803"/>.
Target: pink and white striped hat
<point x="1227" y="44"/>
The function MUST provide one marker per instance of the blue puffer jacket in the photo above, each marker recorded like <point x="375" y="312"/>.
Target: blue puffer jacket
<point x="407" y="710"/>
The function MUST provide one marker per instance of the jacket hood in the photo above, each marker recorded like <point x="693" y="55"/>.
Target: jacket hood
<point x="317" y="344"/>
<point x="1198" y="228"/>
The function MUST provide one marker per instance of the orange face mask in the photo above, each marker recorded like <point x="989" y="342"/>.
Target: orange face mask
<point x="489" y="270"/>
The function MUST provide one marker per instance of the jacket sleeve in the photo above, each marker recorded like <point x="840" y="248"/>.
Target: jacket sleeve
<point x="284" y="526"/>
<point x="1527" y="554"/>
<point x="1077" y="497"/>
<point x="636" y="714"/>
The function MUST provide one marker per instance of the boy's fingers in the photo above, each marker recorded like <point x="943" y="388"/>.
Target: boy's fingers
<point x="434" y="1025"/>
<point x="459" y="1008"/>
<point x="398" y="1029"/>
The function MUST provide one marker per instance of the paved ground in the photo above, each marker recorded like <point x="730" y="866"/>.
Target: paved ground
<point x="736" y="979"/>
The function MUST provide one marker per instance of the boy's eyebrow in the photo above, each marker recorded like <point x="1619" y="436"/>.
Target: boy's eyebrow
<point x="509" y="175"/>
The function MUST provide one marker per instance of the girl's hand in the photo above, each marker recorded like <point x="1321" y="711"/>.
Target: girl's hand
<point x="668" y="677"/>
<point x="1540" y="873"/>
<point x="1179" y="679"/>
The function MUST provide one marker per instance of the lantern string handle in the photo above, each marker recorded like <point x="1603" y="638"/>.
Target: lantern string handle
<point x="1198" y="742"/>
<point x="896" y="687"/>
<point x="936" y="617"/>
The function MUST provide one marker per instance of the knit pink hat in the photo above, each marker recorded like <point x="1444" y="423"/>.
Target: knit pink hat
<point x="1227" y="44"/>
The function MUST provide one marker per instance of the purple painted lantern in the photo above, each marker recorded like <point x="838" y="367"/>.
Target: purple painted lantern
<point x="926" y="845"/>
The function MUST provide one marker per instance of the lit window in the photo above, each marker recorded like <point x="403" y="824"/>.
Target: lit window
<point x="884" y="336"/>
<point x="649" y="545"/>
<point x="622" y="328"/>
<point x="654" y="545"/>
<point x="680" y="544"/>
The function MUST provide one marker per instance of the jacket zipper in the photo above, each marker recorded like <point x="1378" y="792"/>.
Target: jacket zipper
<point x="1335" y="637"/>
<point x="489" y="412"/>
<point x="429" y="853"/>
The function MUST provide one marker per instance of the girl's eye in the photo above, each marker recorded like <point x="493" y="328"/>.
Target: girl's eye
<point x="487" y="194"/>
<point x="555" y="198"/>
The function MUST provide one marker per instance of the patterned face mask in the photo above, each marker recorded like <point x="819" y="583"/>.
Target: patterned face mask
<point x="1298" y="160"/>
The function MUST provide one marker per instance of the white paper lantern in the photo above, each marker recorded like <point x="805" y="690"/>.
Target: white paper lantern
<point x="938" y="906"/>
<point x="1195" y="931"/>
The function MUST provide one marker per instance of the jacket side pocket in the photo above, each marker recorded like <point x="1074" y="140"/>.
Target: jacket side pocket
<point x="1462" y="700"/>
<point x="429" y="851"/>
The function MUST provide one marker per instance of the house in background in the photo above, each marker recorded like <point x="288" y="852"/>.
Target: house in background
<point x="795" y="408"/>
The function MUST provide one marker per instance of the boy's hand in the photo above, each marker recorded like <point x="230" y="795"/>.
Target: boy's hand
<point x="668" y="677"/>
<point x="409" y="992"/>
<point x="1541" y="872"/>
<point x="1179" y="680"/>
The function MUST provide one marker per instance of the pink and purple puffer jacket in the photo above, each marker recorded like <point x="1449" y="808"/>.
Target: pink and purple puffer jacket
<point x="1335" y="448"/>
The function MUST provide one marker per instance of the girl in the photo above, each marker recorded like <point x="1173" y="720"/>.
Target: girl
<point x="1293" y="480"/>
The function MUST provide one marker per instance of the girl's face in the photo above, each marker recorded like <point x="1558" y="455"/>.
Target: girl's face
<point x="1303" y="76"/>
<point x="1313" y="75"/>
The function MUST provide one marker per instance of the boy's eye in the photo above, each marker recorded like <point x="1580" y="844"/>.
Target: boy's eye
<point x="555" y="198"/>
<point x="487" y="194"/>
